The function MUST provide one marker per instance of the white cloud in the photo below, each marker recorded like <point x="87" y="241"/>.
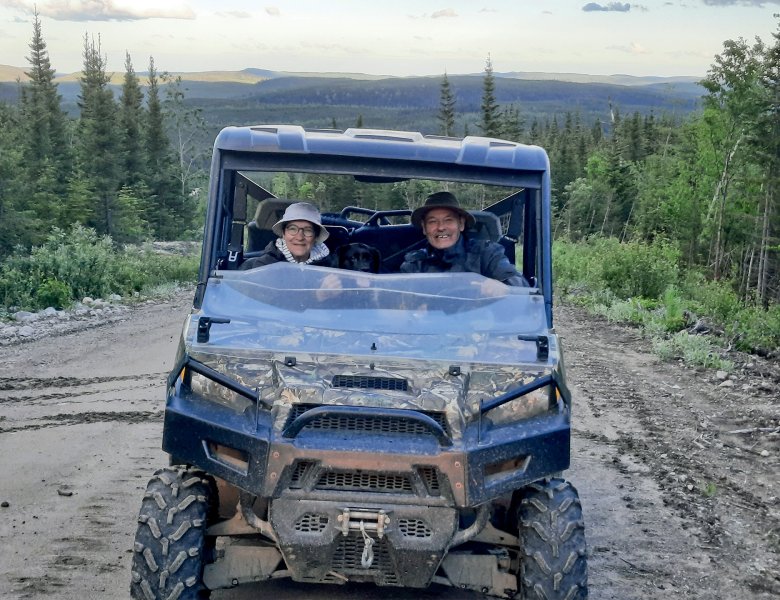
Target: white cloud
<point x="633" y="48"/>
<point x="273" y="11"/>
<point x="103" y="10"/>
<point x="447" y="12"/>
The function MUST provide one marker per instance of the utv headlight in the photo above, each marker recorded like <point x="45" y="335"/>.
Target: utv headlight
<point x="215" y="392"/>
<point x="529" y="405"/>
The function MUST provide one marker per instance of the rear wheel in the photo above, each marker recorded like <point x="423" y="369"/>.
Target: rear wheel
<point x="553" y="563"/>
<point x="171" y="547"/>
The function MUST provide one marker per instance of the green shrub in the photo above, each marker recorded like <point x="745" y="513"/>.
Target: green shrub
<point x="624" y="311"/>
<point x="54" y="293"/>
<point x="715" y="299"/>
<point x="672" y="310"/>
<point x="80" y="257"/>
<point x="693" y="349"/>
<point x="628" y="270"/>
<point x="77" y="263"/>
<point x="635" y="269"/>
<point x="757" y="330"/>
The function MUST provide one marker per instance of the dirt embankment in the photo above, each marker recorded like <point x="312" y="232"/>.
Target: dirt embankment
<point x="679" y="471"/>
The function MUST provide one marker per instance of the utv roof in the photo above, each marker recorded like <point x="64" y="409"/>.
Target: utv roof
<point x="471" y="154"/>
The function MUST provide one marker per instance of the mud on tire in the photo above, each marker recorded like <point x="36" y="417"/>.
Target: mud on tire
<point x="171" y="547"/>
<point x="552" y="538"/>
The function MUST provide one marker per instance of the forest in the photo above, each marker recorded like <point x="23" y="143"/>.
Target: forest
<point x="697" y="188"/>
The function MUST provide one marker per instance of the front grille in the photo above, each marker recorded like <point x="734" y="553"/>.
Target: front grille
<point x="364" y="382"/>
<point x="301" y="467"/>
<point x="396" y="425"/>
<point x="311" y="523"/>
<point x="414" y="528"/>
<point x="348" y="554"/>
<point x="365" y="482"/>
<point x="430" y="477"/>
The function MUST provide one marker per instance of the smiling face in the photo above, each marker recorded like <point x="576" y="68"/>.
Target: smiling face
<point x="443" y="227"/>
<point x="300" y="243"/>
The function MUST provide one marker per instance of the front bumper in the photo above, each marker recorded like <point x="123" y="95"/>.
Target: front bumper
<point x="364" y="467"/>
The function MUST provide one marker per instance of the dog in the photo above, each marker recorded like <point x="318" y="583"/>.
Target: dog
<point x="359" y="257"/>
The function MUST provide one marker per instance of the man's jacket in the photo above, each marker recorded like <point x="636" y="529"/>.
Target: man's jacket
<point x="465" y="256"/>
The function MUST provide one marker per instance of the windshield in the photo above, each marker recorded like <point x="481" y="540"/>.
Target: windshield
<point x="321" y="297"/>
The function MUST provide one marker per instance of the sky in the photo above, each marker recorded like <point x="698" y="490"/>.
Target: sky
<point x="399" y="38"/>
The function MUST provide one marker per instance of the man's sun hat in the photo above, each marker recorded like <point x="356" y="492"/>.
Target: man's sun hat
<point x="302" y="211"/>
<point x="441" y="200"/>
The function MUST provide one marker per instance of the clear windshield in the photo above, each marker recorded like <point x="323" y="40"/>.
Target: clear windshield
<point x="319" y="297"/>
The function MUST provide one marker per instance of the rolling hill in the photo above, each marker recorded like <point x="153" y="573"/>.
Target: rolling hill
<point x="319" y="99"/>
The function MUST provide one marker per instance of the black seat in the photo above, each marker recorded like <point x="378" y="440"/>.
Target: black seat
<point x="487" y="225"/>
<point x="268" y="212"/>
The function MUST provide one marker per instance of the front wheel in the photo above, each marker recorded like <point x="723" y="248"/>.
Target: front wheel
<point x="171" y="547"/>
<point x="551" y="531"/>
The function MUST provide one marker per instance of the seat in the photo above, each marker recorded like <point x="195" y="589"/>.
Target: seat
<point x="268" y="212"/>
<point x="487" y="226"/>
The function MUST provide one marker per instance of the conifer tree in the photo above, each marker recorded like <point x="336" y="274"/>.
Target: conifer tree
<point x="97" y="138"/>
<point x="45" y="149"/>
<point x="164" y="202"/>
<point x="130" y="122"/>
<point x="15" y="222"/>
<point x="446" y="115"/>
<point x="511" y="123"/>
<point x="490" y="122"/>
<point x="43" y="118"/>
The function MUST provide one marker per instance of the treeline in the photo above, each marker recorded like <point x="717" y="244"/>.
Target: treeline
<point x="113" y="169"/>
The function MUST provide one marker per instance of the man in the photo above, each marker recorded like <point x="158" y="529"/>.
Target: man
<point x="443" y="222"/>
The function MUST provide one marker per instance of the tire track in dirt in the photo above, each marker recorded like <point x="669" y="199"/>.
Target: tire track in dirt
<point x="129" y="417"/>
<point x="37" y="383"/>
<point x="664" y="416"/>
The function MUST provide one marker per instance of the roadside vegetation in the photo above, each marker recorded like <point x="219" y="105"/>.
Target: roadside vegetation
<point x="669" y="222"/>
<point x="70" y="265"/>
<point x="686" y="315"/>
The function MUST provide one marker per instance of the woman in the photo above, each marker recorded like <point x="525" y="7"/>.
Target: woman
<point x="301" y="237"/>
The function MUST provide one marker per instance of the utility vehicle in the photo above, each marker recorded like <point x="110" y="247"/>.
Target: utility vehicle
<point x="403" y="429"/>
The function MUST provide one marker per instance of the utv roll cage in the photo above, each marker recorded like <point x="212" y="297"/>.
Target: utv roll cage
<point x="382" y="157"/>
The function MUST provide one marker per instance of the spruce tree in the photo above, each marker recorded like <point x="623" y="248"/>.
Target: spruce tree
<point x="16" y="223"/>
<point x="490" y="122"/>
<point x="44" y="143"/>
<point x="160" y="177"/>
<point x="512" y="123"/>
<point x="98" y="146"/>
<point x="446" y="115"/>
<point x="46" y="138"/>
<point x="130" y="121"/>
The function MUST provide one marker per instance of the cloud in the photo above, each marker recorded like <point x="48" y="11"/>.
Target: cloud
<point x="273" y="11"/>
<point x="102" y="10"/>
<point x="611" y="7"/>
<point x="756" y="3"/>
<point x="632" y="48"/>
<point x="447" y="12"/>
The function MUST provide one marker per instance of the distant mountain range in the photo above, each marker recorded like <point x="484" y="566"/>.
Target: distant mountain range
<point x="319" y="99"/>
<point x="252" y="76"/>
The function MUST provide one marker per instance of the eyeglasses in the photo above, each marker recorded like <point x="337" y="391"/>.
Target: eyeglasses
<point x="308" y="232"/>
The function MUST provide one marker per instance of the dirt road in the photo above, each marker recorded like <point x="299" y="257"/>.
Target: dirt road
<point x="679" y="471"/>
